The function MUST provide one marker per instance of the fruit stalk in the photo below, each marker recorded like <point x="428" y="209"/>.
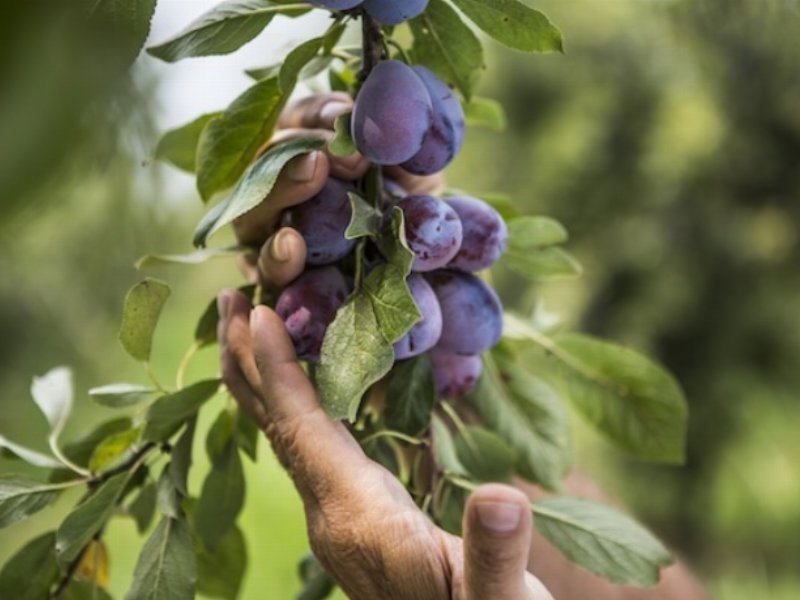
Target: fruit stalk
<point x="372" y="44"/>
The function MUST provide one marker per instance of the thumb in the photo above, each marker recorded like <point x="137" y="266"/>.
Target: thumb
<point x="498" y="530"/>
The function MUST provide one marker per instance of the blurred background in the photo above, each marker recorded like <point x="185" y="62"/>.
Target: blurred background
<point x="666" y="139"/>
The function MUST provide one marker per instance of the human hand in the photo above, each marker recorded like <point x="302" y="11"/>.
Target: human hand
<point x="362" y="524"/>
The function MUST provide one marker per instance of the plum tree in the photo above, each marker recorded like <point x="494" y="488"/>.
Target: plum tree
<point x="322" y="221"/>
<point x="484" y="236"/>
<point x="424" y="335"/>
<point x="433" y="231"/>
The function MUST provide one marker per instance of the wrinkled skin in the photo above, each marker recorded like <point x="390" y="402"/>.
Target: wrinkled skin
<point x="362" y="524"/>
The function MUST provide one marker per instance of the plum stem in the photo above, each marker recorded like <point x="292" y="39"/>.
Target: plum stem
<point x="372" y="44"/>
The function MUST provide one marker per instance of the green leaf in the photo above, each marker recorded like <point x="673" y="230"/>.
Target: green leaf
<point x="247" y="434"/>
<point x="88" y="518"/>
<point x="182" y="458"/>
<point x="392" y="242"/>
<point x="485" y="112"/>
<point x="513" y="24"/>
<point x="317" y="584"/>
<point x="529" y="233"/>
<point x="143" y="305"/>
<point x="342" y="143"/>
<point x="254" y="187"/>
<point x="601" y="540"/>
<point x="179" y="146"/>
<point x="20" y="498"/>
<point x="228" y="145"/>
<point x="222" y="30"/>
<point x="85" y="590"/>
<point x="354" y="356"/>
<point x="120" y="395"/>
<point x="448" y="507"/>
<point x="52" y="393"/>
<point x="365" y="220"/>
<point x="411" y="396"/>
<point x="80" y="451"/>
<point x="32" y="457"/>
<point x="167" y="567"/>
<point x="392" y="302"/>
<point x="526" y="413"/>
<point x="447" y="46"/>
<point x="127" y="23"/>
<point x="444" y="449"/>
<point x="222" y="497"/>
<point x="485" y="456"/>
<point x="220" y="573"/>
<point x="627" y="397"/>
<point x="113" y="449"/>
<point x="143" y="507"/>
<point x="167" y="495"/>
<point x="541" y="265"/>
<point x="205" y="333"/>
<point x="195" y="258"/>
<point x="29" y="574"/>
<point x="220" y="433"/>
<point x="167" y="414"/>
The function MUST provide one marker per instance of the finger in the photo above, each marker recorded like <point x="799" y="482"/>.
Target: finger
<point x="317" y="111"/>
<point x="416" y="184"/>
<point x="301" y="179"/>
<point x="349" y="168"/>
<point x="282" y="258"/>
<point x="498" y="528"/>
<point x="319" y="452"/>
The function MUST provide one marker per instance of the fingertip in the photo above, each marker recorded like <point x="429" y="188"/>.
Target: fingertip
<point x="350" y="167"/>
<point x="282" y="259"/>
<point x="498" y="510"/>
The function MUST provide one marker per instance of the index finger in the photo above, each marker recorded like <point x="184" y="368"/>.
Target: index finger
<point x="315" y="112"/>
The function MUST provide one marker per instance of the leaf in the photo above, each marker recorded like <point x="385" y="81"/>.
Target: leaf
<point x="449" y="508"/>
<point x="167" y="497"/>
<point x="20" y="498"/>
<point x="317" y="584"/>
<point x="254" y="187"/>
<point x="228" y="145"/>
<point x="485" y="112"/>
<point x="526" y="413"/>
<point x="32" y="457"/>
<point x="82" y="590"/>
<point x="545" y="264"/>
<point x="222" y="497"/>
<point x="205" y="333"/>
<point x="392" y="302"/>
<point x="166" y="415"/>
<point x="534" y="233"/>
<point x="342" y="143"/>
<point x="411" y="396"/>
<point x="120" y="395"/>
<point x="167" y="568"/>
<point x="354" y="356"/>
<point x="182" y="458"/>
<point x="143" y="305"/>
<point x="222" y="30"/>
<point x="447" y="46"/>
<point x="179" y="146"/>
<point x="392" y="242"/>
<point x="29" y="574"/>
<point x="93" y="566"/>
<point x="627" y="397"/>
<point x="513" y="24"/>
<point x="247" y="434"/>
<point x="88" y="518"/>
<point x="113" y="448"/>
<point x="195" y="258"/>
<point x="485" y="455"/>
<point x="80" y="451"/>
<point x="125" y="22"/>
<point x="601" y="540"/>
<point x="143" y="507"/>
<point x="52" y="393"/>
<point x="444" y="449"/>
<point x="220" y="573"/>
<point x="365" y="219"/>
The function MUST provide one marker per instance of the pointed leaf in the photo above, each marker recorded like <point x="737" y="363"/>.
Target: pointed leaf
<point x="534" y="233"/>
<point x="93" y="566"/>
<point x="365" y="220"/>
<point x="512" y="23"/>
<point x="167" y="414"/>
<point x="601" y="540"/>
<point x="167" y="568"/>
<point x="32" y="457"/>
<point x="113" y="449"/>
<point x="29" y="574"/>
<point x="20" y="498"/>
<point x="143" y="507"/>
<point x="205" y="332"/>
<point x="542" y="265"/>
<point x="411" y="396"/>
<point x="317" y="584"/>
<point x="342" y="143"/>
<point x="222" y="497"/>
<point x="195" y="258"/>
<point x="485" y="112"/>
<point x="485" y="456"/>
<point x="392" y="302"/>
<point x="52" y="392"/>
<point x="444" y="449"/>
<point x="179" y="146"/>
<point x="120" y="395"/>
<point x="220" y="573"/>
<point x="143" y="306"/>
<point x="182" y="458"/>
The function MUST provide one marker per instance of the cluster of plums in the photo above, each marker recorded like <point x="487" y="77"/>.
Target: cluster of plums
<point x="388" y="12"/>
<point x="405" y="116"/>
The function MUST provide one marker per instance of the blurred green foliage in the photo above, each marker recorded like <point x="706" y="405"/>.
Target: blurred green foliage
<point x="666" y="140"/>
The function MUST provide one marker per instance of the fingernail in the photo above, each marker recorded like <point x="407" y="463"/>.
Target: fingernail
<point x="350" y="162"/>
<point x="499" y="517"/>
<point x="333" y="109"/>
<point x="279" y="247"/>
<point x="223" y="300"/>
<point x="302" y="168"/>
